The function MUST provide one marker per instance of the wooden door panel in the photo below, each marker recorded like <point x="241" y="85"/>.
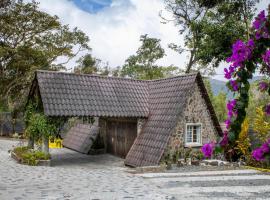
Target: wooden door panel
<point x="111" y="137"/>
<point x="131" y="134"/>
<point x="120" y="137"/>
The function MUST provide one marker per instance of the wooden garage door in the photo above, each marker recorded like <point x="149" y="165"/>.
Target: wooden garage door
<point x="120" y="137"/>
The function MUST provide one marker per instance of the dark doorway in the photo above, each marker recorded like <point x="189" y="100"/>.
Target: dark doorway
<point x="120" y="136"/>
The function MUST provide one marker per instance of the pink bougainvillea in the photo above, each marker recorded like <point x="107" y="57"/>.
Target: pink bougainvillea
<point x="234" y="84"/>
<point x="263" y="86"/>
<point x="208" y="149"/>
<point x="259" y="20"/>
<point x="267" y="109"/>
<point x="266" y="58"/>
<point x="240" y="53"/>
<point x="260" y="153"/>
<point x="246" y="57"/>
<point x="259" y="25"/>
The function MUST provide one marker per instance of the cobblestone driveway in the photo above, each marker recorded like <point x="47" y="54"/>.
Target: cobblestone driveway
<point x="221" y="185"/>
<point x="78" y="176"/>
<point x="86" y="177"/>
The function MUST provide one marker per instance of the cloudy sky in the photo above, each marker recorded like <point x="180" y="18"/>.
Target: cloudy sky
<point x="114" y="27"/>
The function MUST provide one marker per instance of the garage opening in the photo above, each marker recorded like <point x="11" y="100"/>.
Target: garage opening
<point x="120" y="136"/>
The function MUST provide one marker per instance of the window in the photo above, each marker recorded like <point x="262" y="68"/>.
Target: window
<point x="193" y="134"/>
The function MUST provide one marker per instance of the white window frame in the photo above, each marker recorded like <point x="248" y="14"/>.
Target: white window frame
<point x="193" y="144"/>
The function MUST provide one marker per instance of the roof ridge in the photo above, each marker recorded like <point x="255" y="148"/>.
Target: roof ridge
<point x="175" y="77"/>
<point x="91" y="75"/>
<point x="113" y="77"/>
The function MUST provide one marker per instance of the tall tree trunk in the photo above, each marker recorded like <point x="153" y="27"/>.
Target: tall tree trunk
<point x="246" y="20"/>
<point x="45" y="144"/>
<point x="190" y="62"/>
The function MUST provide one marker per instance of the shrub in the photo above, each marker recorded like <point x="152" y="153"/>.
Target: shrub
<point x="41" y="155"/>
<point x="29" y="159"/>
<point x="32" y="157"/>
<point x="176" y="156"/>
<point x="261" y="125"/>
<point x="20" y="150"/>
<point x="39" y="125"/>
<point x="29" y="156"/>
<point x="197" y="155"/>
<point x="187" y="153"/>
<point x="243" y="142"/>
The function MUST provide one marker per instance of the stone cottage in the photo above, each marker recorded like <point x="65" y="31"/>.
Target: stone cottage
<point x="138" y="120"/>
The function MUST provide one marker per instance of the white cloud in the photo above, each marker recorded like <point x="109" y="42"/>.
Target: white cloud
<point x="114" y="31"/>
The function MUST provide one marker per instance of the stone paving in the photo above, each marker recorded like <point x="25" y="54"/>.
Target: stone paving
<point x="73" y="176"/>
<point x="78" y="176"/>
<point x="225" y="184"/>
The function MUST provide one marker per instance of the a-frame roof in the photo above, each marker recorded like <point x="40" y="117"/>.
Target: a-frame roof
<point x="160" y="101"/>
<point x="167" y="102"/>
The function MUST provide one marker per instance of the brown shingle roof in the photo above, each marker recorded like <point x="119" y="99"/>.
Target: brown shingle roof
<point x="161" y="101"/>
<point x="67" y="94"/>
<point x="167" y="98"/>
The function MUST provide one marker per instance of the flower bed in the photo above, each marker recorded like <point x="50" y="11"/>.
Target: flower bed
<point x="25" y="155"/>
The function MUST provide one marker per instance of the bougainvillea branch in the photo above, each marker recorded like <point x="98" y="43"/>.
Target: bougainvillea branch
<point x="246" y="57"/>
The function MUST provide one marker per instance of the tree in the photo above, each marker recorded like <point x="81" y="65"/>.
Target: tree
<point x="218" y="102"/>
<point x="117" y="71"/>
<point x="209" y="27"/>
<point x="256" y="99"/>
<point x="209" y="89"/>
<point x="261" y="125"/>
<point x="246" y="58"/>
<point x="143" y="64"/>
<point x="220" y="106"/>
<point x="29" y="40"/>
<point x="87" y="64"/>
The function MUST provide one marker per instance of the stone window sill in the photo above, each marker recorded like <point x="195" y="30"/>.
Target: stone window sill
<point x="193" y="145"/>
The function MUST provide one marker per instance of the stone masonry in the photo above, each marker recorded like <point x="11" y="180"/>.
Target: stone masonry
<point x="195" y="112"/>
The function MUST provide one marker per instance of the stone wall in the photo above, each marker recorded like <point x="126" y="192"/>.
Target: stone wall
<point x="195" y="112"/>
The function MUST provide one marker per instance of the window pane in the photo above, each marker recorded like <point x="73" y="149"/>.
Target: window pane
<point x="194" y="134"/>
<point x="199" y="133"/>
<point x="189" y="134"/>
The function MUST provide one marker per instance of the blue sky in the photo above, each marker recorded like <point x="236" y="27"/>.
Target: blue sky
<point x="92" y="6"/>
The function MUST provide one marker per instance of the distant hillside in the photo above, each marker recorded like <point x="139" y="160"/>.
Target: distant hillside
<point x="218" y="86"/>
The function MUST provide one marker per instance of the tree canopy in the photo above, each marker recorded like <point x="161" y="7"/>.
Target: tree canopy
<point x="210" y="27"/>
<point x="31" y="39"/>
<point x="87" y="64"/>
<point x="144" y="65"/>
<point x="218" y="101"/>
